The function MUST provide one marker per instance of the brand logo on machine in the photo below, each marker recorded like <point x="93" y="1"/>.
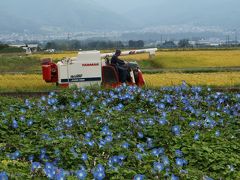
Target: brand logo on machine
<point x="90" y="64"/>
<point x="76" y="76"/>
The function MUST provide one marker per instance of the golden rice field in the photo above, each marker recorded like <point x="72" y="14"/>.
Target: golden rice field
<point x="174" y="59"/>
<point x="26" y="82"/>
<point x="56" y="56"/>
<point x="198" y="59"/>
<point x="34" y="82"/>
<point x="203" y="79"/>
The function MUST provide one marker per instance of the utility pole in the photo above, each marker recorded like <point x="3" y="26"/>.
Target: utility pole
<point x="68" y="37"/>
<point x="227" y="40"/>
<point x="236" y="38"/>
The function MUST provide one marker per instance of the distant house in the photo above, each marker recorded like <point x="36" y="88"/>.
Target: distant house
<point x="29" y="48"/>
<point x="50" y="50"/>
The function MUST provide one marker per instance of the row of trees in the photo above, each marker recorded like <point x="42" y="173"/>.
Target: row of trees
<point x="4" y="48"/>
<point x="76" y="45"/>
<point x="184" y="43"/>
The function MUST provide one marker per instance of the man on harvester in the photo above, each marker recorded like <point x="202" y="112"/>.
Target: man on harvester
<point x="121" y="66"/>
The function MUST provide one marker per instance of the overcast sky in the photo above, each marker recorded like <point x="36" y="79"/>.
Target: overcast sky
<point x="128" y="13"/>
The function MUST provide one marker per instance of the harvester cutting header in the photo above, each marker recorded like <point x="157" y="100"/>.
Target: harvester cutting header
<point x="92" y="67"/>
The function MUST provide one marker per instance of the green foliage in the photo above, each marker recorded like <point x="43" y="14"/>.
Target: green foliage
<point x="20" y="63"/>
<point x="4" y="48"/>
<point x="60" y="123"/>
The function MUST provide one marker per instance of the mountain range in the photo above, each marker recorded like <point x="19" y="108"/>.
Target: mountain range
<point x="51" y="16"/>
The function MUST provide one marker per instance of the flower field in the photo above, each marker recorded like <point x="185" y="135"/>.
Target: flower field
<point x="173" y="133"/>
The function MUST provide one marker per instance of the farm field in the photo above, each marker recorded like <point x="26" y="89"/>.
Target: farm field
<point x="163" y="60"/>
<point x="124" y="133"/>
<point x="34" y="82"/>
<point x="176" y="127"/>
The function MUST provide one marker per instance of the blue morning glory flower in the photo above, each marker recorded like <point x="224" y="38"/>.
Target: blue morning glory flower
<point x="108" y="138"/>
<point x="84" y="156"/>
<point x="35" y="165"/>
<point x="125" y="145"/>
<point x="99" y="172"/>
<point x="3" y="175"/>
<point x="217" y="133"/>
<point x="31" y="157"/>
<point x="139" y="177"/>
<point x="196" y="137"/>
<point x="178" y="153"/>
<point x="140" y="135"/>
<point x="14" y="124"/>
<point x="81" y="174"/>
<point x="30" y="122"/>
<point x="158" y="166"/>
<point x="165" y="160"/>
<point x="138" y="156"/>
<point x="176" y="130"/>
<point x="174" y="177"/>
<point x="88" y="135"/>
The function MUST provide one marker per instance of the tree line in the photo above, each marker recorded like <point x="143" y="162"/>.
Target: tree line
<point x="85" y="45"/>
<point x="5" y="48"/>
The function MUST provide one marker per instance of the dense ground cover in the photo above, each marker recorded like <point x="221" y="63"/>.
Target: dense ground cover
<point x="123" y="133"/>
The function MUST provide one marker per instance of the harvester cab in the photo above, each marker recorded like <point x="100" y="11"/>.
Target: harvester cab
<point x="91" y="67"/>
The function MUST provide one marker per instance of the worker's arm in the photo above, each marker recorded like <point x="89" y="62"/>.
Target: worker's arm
<point x="120" y="62"/>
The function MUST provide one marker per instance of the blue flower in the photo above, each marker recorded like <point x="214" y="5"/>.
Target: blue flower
<point x="14" y="124"/>
<point x="90" y="143"/>
<point x="165" y="160"/>
<point x="140" y="135"/>
<point x="176" y="130"/>
<point x="49" y="170"/>
<point x="60" y="175"/>
<point x="138" y="156"/>
<point x="84" y="157"/>
<point x="181" y="162"/>
<point x="155" y="152"/>
<point x="207" y="178"/>
<point x="99" y="175"/>
<point x="99" y="172"/>
<point x="158" y="166"/>
<point x="196" y="137"/>
<point x="231" y="167"/>
<point x="217" y="133"/>
<point x="108" y="138"/>
<point x="174" y="177"/>
<point x="31" y="157"/>
<point x="81" y="174"/>
<point x="88" y="135"/>
<point x="35" y="165"/>
<point x="140" y="147"/>
<point x="162" y="121"/>
<point x="30" y="122"/>
<point x="139" y="177"/>
<point x="178" y="153"/>
<point x="125" y="145"/>
<point x="3" y="175"/>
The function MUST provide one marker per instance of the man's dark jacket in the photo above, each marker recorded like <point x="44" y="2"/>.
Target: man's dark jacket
<point x="115" y="60"/>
